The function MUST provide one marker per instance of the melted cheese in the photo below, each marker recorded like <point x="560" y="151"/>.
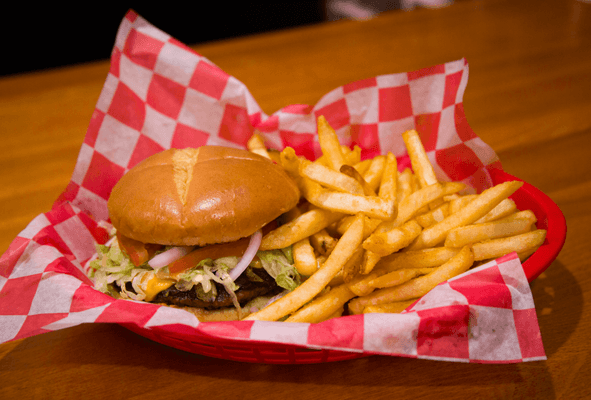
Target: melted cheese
<point x="155" y="285"/>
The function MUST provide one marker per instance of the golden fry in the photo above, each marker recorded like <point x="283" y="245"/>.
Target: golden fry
<point x="290" y="162"/>
<point x="329" y="143"/>
<point x="404" y="186"/>
<point x="418" y="158"/>
<point x="304" y="258"/>
<point x="360" y="284"/>
<point x="347" y="203"/>
<point x="352" y="268"/>
<point x="398" y="277"/>
<point x="469" y="234"/>
<point x="324" y="306"/>
<point x="322" y="242"/>
<point x="256" y="144"/>
<point x="373" y="175"/>
<point x="434" y="216"/>
<point x="425" y="258"/>
<point x="503" y="209"/>
<point x="369" y="261"/>
<point x="496" y="248"/>
<point x="301" y="227"/>
<point x="387" y="190"/>
<point x="351" y="157"/>
<point x="329" y="178"/>
<point x="460" y="202"/>
<point x="363" y="166"/>
<point x="353" y="173"/>
<point x="391" y="241"/>
<point x="392" y="308"/>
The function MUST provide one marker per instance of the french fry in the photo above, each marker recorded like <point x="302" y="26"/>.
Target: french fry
<point x="312" y="286"/>
<point x="391" y="308"/>
<point x="347" y="203"/>
<point x="304" y="258"/>
<point x="370" y="225"/>
<point x="404" y="186"/>
<point x="387" y="189"/>
<point x="503" y="209"/>
<point x="417" y="287"/>
<point x="496" y="248"/>
<point x="391" y="241"/>
<point x="525" y="214"/>
<point x="369" y="261"/>
<point x="418" y="158"/>
<point x="373" y="175"/>
<point x="338" y="278"/>
<point x="322" y="242"/>
<point x="324" y="306"/>
<point x="398" y="277"/>
<point x="460" y="202"/>
<point x="360" y="284"/>
<point x="352" y="267"/>
<point x="301" y="227"/>
<point x="256" y="144"/>
<point x="353" y="173"/>
<point x="338" y="313"/>
<point x="474" y="210"/>
<point x="453" y="197"/>
<point x="351" y="157"/>
<point x="425" y="258"/>
<point x="329" y="143"/>
<point x="434" y="216"/>
<point x="330" y="178"/>
<point x="363" y="166"/>
<point x="290" y="162"/>
<point x="469" y="234"/>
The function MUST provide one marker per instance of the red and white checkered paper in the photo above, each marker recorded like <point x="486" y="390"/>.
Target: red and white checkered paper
<point x="161" y="94"/>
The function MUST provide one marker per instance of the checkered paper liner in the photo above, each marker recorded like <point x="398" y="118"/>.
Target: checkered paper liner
<point x="161" y="94"/>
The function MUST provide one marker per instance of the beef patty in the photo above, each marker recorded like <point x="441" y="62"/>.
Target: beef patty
<point x="249" y="288"/>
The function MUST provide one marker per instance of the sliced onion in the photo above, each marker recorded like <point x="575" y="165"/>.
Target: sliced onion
<point x="168" y="256"/>
<point x="248" y="256"/>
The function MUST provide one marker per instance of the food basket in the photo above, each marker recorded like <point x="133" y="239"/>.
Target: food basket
<point x="548" y="215"/>
<point x="156" y="96"/>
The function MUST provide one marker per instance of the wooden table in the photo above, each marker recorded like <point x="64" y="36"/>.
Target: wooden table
<point x="528" y="96"/>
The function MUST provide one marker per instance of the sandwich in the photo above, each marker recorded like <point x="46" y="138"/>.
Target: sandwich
<point x="186" y="227"/>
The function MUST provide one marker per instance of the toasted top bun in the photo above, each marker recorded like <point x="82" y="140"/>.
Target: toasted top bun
<point x="201" y="196"/>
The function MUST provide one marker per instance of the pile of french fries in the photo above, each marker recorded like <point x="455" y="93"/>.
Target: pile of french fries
<point x="367" y="238"/>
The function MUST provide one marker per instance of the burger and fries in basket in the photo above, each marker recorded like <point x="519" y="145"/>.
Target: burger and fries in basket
<point x="261" y="234"/>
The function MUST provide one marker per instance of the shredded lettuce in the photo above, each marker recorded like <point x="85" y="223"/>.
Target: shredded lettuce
<point x="277" y="264"/>
<point x="113" y="266"/>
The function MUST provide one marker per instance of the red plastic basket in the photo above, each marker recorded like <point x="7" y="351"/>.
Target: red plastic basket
<point x="527" y="197"/>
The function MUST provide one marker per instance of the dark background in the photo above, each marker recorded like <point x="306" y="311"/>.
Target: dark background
<point x="47" y="35"/>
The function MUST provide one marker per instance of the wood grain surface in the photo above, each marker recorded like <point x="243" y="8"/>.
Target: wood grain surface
<point x="528" y="96"/>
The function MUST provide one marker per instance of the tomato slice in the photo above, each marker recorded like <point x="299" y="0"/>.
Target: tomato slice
<point x="214" y="251"/>
<point x="137" y="251"/>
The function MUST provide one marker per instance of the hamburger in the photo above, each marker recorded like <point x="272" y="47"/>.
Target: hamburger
<point x="187" y="224"/>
